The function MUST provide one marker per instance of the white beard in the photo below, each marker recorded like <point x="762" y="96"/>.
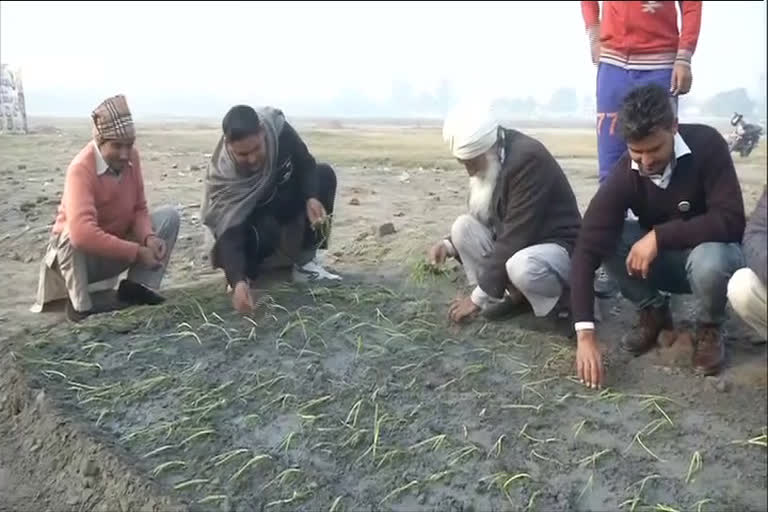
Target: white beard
<point x="481" y="187"/>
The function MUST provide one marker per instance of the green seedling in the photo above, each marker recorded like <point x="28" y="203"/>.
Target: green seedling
<point x="167" y="465"/>
<point x="389" y="456"/>
<point x="461" y="454"/>
<point x="294" y="497"/>
<point x="761" y="440"/>
<point x="226" y="457"/>
<point x="633" y="502"/>
<point x="251" y="462"/>
<point x="535" y="440"/>
<point x="282" y="477"/>
<point x="587" y="487"/>
<point x="82" y="364"/>
<point x="436" y="442"/>
<point x="536" y="408"/>
<point x="213" y="498"/>
<point x="699" y="504"/>
<point x="531" y="500"/>
<point x="353" y="412"/>
<point x="496" y="449"/>
<point x="201" y="433"/>
<point x="503" y="479"/>
<point x="439" y="476"/>
<point x="578" y="427"/>
<point x="287" y="442"/>
<point x="592" y="459"/>
<point x="547" y="459"/>
<point x="399" y="490"/>
<point x="664" y="508"/>
<point x="694" y="467"/>
<point x="158" y="450"/>
<point x="649" y="429"/>
<point x="190" y="483"/>
<point x="335" y="504"/>
<point x="314" y="403"/>
<point x="530" y="386"/>
<point x="48" y="374"/>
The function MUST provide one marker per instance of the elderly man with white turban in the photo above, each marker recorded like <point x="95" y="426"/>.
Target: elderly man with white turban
<point x="516" y="239"/>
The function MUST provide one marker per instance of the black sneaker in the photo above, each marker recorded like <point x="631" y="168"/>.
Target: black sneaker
<point x="604" y="286"/>
<point x="138" y="294"/>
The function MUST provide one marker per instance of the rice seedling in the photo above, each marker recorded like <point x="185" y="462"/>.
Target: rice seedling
<point x="592" y="459"/>
<point x="314" y="403"/>
<point x="761" y="440"/>
<point x="531" y="386"/>
<point x="496" y="449"/>
<point x="699" y="504"/>
<point x="389" y="456"/>
<point x="649" y="429"/>
<point x="158" y="450"/>
<point x="587" y="487"/>
<point x="435" y="441"/>
<point x="213" y="498"/>
<point x="48" y="374"/>
<point x="191" y="483"/>
<point x="282" y="478"/>
<point x="524" y="434"/>
<point x="635" y="500"/>
<point x="286" y="442"/>
<point x="200" y="433"/>
<point x="664" y="508"/>
<point x="577" y="428"/>
<point x="531" y="500"/>
<point x="294" y="497"/>
<point x="536" y="408"/>
<point x="251" y="462"/>
<point x="461" y="454"/>
<point x="546" y="459"/>
<point x="223" y="458"/>
<point x="168" y="465"/>
<point x="399" y="490"/>
<point x="503" y="479"/>
<point x="335" y="504"/>
<point x="694" y="467"/>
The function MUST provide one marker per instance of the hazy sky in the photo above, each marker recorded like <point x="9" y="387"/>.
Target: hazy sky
<point x="297" y="53"/>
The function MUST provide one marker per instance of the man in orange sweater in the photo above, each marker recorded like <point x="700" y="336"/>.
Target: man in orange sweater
<point x="103" y="226"/>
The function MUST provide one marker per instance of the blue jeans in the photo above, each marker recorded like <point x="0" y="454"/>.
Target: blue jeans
<point x="703" y="271"/>
<point x="613" y="84"/>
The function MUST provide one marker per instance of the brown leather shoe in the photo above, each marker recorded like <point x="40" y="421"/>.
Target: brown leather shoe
<point x="644" y="335"/>
<point x="709" y="353"/>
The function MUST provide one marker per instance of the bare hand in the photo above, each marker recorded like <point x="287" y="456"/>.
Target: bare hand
<point x="461" y="309"/>
<point x="438" y="254"/>
<point x="681" y="79"/>
<point x="241" y="298"/>
<point x="595" y="49"/>
<point x="589" y="360"/>
<point x="315" y="212"/>
<point x="642" y="255"/>
<point x="146" y="257"/>
<point x="157" y="245"/>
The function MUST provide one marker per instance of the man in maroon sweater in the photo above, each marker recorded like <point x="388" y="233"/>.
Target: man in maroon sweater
<point x="681" y="184"/>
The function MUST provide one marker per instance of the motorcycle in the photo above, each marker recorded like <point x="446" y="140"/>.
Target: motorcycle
<point x="744" y="137"/>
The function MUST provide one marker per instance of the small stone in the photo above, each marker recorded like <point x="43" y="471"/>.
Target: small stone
<point x="35" y="446"/>
<point x="338" y="254"/>
<point x="175" y="166"/>
<point x="422" y="498"/>
<point x="387" y="229"/>
<point x="361" y="237"/>
<point x="436" y="198"/>
<point x="400" y="214"/>
<point x="354" y="201"/>
<point x="720" y="384"/>
<point x="15" y="256"/>
<point x="30" y="258"/>
<point x="22" y="167"/>
<point x="193" y="168"/>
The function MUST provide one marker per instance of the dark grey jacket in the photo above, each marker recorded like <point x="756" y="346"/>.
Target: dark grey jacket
<point x="754" y="244"/>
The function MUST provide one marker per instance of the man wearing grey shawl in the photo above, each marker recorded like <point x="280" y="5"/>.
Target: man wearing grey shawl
<point x="264" y="190"/>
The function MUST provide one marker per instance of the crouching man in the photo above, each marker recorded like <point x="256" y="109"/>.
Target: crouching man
<point x="103" y="226"/>
<point x="746" y="289"/>
<point x="515" y="241"/>
<point x="266" y="198"/>
<point x="681" y="184"/>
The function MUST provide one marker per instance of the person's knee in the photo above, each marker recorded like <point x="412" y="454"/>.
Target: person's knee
<point x="740" y="290"/>
<point x="523" y="269"/>
<point x="169" y="218"/>
<point x="461" y="229"/>
<point x="709" y="267"/>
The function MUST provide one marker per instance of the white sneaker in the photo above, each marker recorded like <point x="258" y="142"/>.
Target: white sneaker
<point x="313" y="272"/>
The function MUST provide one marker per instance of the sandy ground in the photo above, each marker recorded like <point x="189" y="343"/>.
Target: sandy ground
<point x="399" y="174"/>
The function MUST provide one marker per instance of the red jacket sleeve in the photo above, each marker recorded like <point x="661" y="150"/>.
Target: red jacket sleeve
<point x="142" y="224"/>
<point x="590" y="11"/>
<point x="689" y="33"/>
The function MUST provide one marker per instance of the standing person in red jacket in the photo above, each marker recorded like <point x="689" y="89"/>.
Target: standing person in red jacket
<point x="635" y="44"/>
